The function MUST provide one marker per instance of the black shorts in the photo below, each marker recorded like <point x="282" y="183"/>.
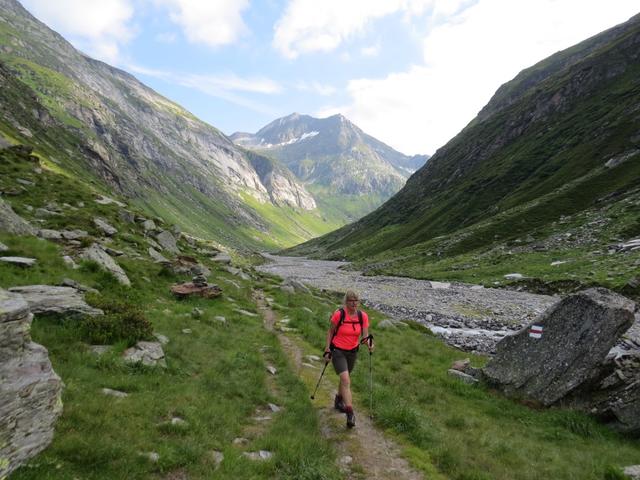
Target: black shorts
<point x="343" y="360"/>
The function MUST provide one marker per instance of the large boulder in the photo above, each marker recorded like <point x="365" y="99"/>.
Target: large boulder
<point x="50" y="299"/>
<point x="96" y="253"/>
<point x="12" y="222"/>
<point x="562" y="348"/>
<point x="30" y="391"/>
<point x="167" y="241"/>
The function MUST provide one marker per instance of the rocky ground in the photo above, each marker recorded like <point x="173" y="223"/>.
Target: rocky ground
<point x="469" y="317"/>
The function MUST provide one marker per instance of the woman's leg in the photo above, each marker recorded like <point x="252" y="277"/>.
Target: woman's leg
<point x="344" y="389"/>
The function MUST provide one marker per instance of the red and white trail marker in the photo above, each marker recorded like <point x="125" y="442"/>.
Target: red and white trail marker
<point x="535" y="331"/>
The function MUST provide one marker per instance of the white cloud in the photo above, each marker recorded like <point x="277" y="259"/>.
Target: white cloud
<point x="98" y="28"/>
<point x="223" y="86"/>
<point x="371" y="51"/>
<point x="316" y="87"/>
<point x="465" y="60"/>
<point x="212" y="23"/>
<point x="312" y="26"/>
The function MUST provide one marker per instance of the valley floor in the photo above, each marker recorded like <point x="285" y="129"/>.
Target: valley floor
<point x="467" y="316"/>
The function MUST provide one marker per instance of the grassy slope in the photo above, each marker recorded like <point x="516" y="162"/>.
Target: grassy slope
<point x="216" y="380"/>
<point x="451" y="430"/>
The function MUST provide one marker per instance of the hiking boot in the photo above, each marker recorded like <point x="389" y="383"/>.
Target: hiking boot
<point x="338" y="404"/>
<point x="351" y="419"/>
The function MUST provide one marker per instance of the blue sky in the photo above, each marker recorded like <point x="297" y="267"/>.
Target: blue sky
<point x="412" y="73"/>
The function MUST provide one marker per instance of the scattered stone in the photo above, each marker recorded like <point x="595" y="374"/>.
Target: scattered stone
<point x="68" y="282"/>
<point x="261" y="455"/>
<point x="271" y="369"/>
<point x="29" y="388"/>
<point x="217" y="457"/>
<point x="346" y="460"/>
<point x="386" y="324"/>
<point x="20" y="261"/>
<point x="558" y="262"/>
<point x="113" y="252"/>
<point x="22" y="181"/>
<point x="461" y="365"/>
<point x="197" y="312"/>
<point x="147" y="353"/>
<point x="69" y="262"/>
<point x="167" y="241"/>
<point x="178" y="421"/>
<point x="288" y="289"/>
<point x="127" y="216"/>
<point x="240" y="441"/>
<point x="107" y="229"/>
<point x="44" y="213"/>
<point x="562" y="348"/>
<point x="222" y="257"/>
<point x="514" y="276"/>
<point x="152" y="456"/>
<point x="262" y="419"/>
<point x="3" y="247"/>
<point x="220" y="318"/>
<point x="100" y="349"/>
<point x="184" y="290"/>
<point x="74" y="234"/>
<point x="313" y="358"/>
<point x="49" y="234"/>
<point x="307" y="309"/>
<point x="633" y="472"/>
<point x="163" y="339"/>
<point x="237" y="272"/>
<point x="149" y="226"/>
<point x="13" y="223"/>
<point x="96" y="253"/>
<point x="114" y="393"/>
<point x="157" y="256"/>
<point x="187" y="331"/>
<point x="104" y="200"/>
<point x="199" y="281"/>
<point x="274" y="408"/>
<point x="462" y="376"/>
<point x="245" y="312"/>
<point x="440" y="285"/>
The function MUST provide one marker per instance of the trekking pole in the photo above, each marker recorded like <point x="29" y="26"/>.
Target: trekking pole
<point x="369" y="341"/>
<point x="370" y="386"/>
<point x="318" y="384"/>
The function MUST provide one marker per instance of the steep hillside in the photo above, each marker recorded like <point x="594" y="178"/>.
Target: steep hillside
<point x="557" y="146"/>
<point x="142" y="145"/>
<point x="343" y="167"/>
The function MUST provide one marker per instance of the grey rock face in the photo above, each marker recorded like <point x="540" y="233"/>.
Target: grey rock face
<point x="3" y="247"/>
<point x="105" y="227"/>
<point x="577" y="333"/>
<point x="96" y="253"/>
<point x="50" y="299"/>
<point x="157" y="256"/>
<point x="13" y="223"/>
<point x="167" y="241"/>
<point x="30" y="391"/>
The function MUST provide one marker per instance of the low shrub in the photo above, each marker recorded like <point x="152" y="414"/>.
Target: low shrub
<point x="121" y="322"/>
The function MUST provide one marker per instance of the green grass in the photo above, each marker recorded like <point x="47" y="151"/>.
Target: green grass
<point x="457" y="431"/>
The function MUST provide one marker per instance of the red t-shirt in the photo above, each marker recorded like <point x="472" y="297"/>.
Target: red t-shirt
<point x="348" y="334"/>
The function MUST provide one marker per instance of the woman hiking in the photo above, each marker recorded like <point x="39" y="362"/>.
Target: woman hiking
<point x="348" y="325"/>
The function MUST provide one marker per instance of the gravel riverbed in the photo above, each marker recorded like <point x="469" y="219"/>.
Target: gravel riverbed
<point x="467" y="316"/>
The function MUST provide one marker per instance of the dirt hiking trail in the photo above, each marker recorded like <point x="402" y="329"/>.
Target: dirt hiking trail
<point x="362" y="452"/>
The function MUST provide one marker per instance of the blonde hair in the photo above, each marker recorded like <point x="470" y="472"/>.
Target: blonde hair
<point x="350" y="294"/>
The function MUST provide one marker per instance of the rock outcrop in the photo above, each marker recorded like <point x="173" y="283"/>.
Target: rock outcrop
<point x="59" y="300"/>
<point x="96" y="253"/>
<point x="12" y="222"/>
<point x="561" y="349"/>
<point x="30" y="391"/>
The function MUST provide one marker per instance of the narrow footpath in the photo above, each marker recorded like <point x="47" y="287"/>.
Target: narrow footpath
<point x="362" y="452"/>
